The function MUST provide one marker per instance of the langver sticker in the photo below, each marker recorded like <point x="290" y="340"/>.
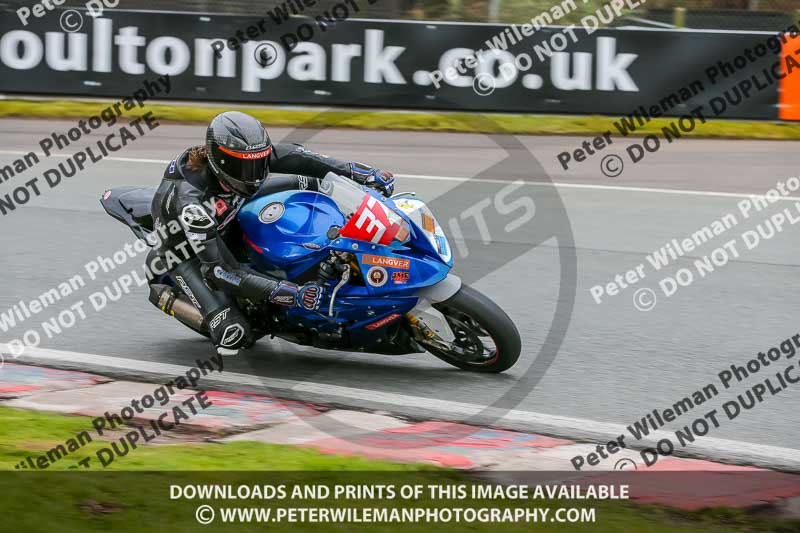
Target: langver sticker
<point x="390" y="262"/>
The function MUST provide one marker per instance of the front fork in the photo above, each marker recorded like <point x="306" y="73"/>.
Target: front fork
<point x="428" y="323"/>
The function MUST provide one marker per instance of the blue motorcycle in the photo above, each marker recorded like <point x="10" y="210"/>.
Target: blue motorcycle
<point x="385" y="263"/>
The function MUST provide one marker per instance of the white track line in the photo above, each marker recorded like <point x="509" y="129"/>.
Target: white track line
<point x="123" y="159"/>
<point x="623" y="188"/>
<point x="709" y="447"/>
<point x="459" y="179"/>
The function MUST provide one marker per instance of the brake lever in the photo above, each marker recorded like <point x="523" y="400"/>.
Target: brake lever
<point x="344" y="279"/>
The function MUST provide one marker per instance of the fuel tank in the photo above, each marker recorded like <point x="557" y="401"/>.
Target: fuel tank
<point x="289" y="230"/>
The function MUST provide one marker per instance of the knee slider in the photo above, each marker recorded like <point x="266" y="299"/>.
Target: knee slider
<point x="228" y="328"/>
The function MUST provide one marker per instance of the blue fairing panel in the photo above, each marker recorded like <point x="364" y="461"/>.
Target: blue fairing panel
<point x="288" y="230"/>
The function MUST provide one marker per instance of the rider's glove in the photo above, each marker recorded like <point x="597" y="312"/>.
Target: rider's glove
<point x="308" y="296"/>
<point x="374" y="178"/>
<point x="255" y="286"/>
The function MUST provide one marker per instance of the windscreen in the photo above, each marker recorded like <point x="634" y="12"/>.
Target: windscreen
<point x="368" y="217"/>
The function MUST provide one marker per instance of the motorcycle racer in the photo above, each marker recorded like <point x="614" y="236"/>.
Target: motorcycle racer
<point x="203" y="190"/>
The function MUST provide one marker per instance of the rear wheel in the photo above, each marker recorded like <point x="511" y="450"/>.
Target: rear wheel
<point x="486" y="340"/>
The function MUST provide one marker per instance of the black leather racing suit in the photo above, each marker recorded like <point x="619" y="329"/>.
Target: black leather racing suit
<point x="206" y="214"/>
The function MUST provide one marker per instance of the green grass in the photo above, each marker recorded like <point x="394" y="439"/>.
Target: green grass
<point x="133" y="494"/>
<point x="411" y="121"/>
<point x="28" y="433"/>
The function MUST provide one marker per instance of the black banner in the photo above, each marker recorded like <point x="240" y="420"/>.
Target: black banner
<point x="389" y="64"/>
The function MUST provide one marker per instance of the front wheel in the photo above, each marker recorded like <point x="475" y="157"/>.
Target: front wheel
<point x="486" y="340"/>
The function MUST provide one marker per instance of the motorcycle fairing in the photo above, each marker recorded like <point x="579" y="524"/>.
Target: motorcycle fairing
<point x="278" y="238"/>
<point x="132" y="207"/>
<point x="288" y="230"/>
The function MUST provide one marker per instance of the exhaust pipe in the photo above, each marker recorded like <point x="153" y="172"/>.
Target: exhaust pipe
<point x="177" y="305"/>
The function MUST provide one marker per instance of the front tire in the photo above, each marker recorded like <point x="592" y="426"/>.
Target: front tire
<point x="486" y="338"/>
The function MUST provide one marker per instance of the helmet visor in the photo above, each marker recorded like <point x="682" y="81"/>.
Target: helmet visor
<point x="244" y="171"/>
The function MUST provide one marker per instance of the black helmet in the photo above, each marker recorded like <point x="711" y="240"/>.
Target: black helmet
<point x="238" y="151"/>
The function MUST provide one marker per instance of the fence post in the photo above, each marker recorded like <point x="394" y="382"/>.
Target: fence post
<point x="679" y="17"/>
<point x="456" y="9"/>
<point x="494" y="10"/>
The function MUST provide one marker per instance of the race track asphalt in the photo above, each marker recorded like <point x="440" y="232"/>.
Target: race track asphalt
<point x="616" y="363"/>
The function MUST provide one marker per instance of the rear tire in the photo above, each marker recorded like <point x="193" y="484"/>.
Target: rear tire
<point x="473" y="316"/>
